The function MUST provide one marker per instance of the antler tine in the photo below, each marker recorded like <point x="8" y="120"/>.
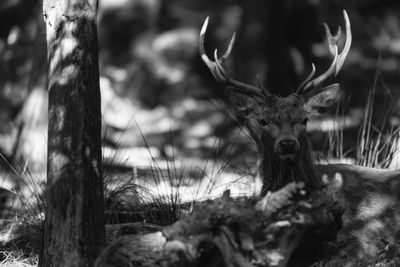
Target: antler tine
<point x="338" y="59"/>
<point x="309" y="77"/>
<point x="242" y="87"/>
<point x="219" y="72"/>
<point x="320" y="79"/>
<point x="202" y="50"/>
<point x="229" y="50"/>
<point x="347" y="43"/>
<point x="203" y="54"/>
<point x="332" y="39"/>
<point x="260" y="83"/>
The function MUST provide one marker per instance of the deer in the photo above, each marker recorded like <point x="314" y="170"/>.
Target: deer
<point x="369" y="197"/>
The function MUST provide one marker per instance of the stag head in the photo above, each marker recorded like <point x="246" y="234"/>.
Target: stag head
<point x="281" y="121"/>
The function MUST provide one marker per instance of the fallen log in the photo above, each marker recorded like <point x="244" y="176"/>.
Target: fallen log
<point x="227" y="232"/>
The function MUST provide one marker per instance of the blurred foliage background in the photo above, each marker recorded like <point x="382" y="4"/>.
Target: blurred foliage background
<point x="159" y="100"/>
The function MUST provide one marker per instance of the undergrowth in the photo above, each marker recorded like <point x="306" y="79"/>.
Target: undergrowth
<point x="376" y="141"/>
<point x="28" y="202"/>
<point x="377" y="138"/>
<point x="161" y="203"/>
<point x="156" y="195"/>
<point x="17" y="258"/>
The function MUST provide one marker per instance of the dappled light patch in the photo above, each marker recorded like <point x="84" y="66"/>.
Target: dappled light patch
<point x="169" y="139"/>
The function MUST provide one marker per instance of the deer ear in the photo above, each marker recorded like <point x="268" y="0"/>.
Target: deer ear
<point x="324" y="100"/>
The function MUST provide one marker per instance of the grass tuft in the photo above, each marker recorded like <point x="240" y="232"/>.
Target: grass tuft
<point x="17" y="258"/>
<point x="377" y="140"/>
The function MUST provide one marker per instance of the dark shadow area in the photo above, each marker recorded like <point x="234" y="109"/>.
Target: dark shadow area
<point x="168" y="136"/>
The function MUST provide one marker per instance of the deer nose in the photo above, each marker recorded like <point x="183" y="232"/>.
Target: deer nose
<point x="288" y="146"/>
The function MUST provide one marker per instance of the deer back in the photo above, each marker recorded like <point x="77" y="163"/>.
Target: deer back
<point x="370" y="200"/>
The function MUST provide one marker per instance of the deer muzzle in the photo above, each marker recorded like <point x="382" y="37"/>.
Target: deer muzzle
<point x="287" y="147"/>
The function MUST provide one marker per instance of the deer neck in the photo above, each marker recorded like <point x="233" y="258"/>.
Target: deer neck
<point x="277" y="173"/>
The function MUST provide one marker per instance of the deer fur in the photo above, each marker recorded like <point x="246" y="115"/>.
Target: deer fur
<point x="368" y="197"/>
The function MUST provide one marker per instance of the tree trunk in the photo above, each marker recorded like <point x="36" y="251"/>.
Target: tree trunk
<point x="275" y="43"/>
<point x="280" y="70"/>
<point x="74" y="225"/>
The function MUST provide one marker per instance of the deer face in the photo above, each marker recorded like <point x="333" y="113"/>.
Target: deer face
<point x="282" y="121"/>
<point x="283" y="124"/>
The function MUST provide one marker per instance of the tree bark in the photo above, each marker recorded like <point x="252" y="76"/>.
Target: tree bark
<point x="74" y="225"/>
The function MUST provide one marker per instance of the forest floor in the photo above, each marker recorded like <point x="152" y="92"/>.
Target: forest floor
<point x="181" y="145"/>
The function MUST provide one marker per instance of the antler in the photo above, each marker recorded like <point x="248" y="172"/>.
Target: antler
<point x="311" y="86"/>
<point x="219" y="72"/>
